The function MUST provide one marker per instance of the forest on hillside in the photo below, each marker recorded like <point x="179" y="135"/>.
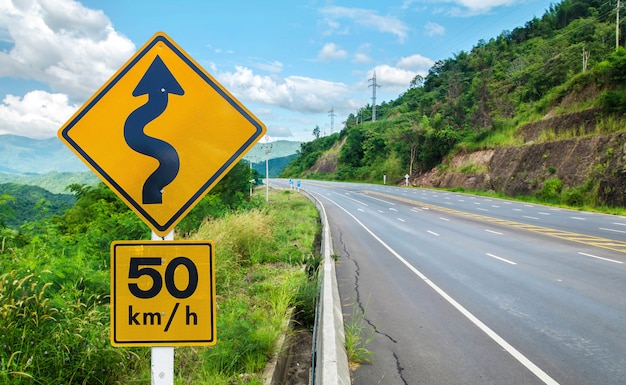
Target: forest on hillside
<point x="567" y="60"/>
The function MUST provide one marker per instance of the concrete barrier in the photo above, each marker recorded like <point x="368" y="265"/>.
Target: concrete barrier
<point x="330" y="363"/>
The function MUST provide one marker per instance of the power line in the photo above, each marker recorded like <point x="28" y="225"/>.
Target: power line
<point x="332" y="115"/>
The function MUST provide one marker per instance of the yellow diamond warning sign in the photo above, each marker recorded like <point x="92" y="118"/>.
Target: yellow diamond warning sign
<point x="161" y="133"/>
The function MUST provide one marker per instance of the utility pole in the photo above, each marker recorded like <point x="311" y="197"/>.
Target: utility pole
<point x="374" y="86"/>
<point x="332" y="115"/>
<point x="617" y="26"/>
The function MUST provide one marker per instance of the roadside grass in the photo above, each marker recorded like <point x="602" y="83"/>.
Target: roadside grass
<point x="566" y="199"/>
<point x="262" y="279"/>
<point x="54" y="307"/>
<point x="356" y="343"/>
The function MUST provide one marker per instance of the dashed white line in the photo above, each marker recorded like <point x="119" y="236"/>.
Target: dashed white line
<point x="529" y="217"/>
<point x="613" y="230"/>
<point x="493" y="232"/>
<point x="542" y="213"/>
<point x="392" y="209"/>
<point x="502" y="259"/>
<point x="602" y="258"/>
<point x="578" y="218"/>
<point x="401" y="220"/>
<point x="482" y="209"/>
<point x="433" y="233"/>
<point x="444" y="219"/>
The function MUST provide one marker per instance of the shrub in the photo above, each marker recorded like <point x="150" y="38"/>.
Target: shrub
<point x="551" y="190"/>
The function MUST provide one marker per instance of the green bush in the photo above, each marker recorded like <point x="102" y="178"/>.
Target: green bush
<point x="551" y="190"/>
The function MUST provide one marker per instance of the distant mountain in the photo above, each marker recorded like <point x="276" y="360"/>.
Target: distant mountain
<point x="22" y="155"/>
<point x="55" y="182"/>
<point x="278" y="149"/>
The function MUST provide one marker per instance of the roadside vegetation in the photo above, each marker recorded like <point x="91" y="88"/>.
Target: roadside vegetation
<point x="565" y="62"/>
<point x="54" y="286"/>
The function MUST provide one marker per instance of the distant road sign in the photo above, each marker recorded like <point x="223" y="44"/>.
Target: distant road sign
<point x="161" y="133"/>
<point x="162" y="293"/>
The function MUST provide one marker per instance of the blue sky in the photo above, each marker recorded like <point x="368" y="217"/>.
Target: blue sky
<point x="289" y="62"/>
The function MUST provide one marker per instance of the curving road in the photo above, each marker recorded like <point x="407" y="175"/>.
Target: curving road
<point x="461" y="289"/>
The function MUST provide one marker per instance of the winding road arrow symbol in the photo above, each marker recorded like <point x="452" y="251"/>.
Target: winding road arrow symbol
<point x="158" y="82"/>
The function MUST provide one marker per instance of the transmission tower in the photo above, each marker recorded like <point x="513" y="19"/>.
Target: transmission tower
<point x="332" y="115"/>
<point x="374" y="86"/>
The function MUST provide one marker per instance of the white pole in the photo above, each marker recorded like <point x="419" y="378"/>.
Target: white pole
<point x="267" y="176"/>
<point x="162" y="357"/>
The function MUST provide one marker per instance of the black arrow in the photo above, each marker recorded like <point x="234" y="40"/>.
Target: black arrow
<point x="158" y="82"/>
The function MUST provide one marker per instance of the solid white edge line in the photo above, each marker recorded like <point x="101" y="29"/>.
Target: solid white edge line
<point x="543" y="376"/>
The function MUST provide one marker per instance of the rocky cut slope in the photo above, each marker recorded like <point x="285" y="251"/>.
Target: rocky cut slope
<point x="588" y="164"/>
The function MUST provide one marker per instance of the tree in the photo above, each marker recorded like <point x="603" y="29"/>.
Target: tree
<point x="316" y="132"/>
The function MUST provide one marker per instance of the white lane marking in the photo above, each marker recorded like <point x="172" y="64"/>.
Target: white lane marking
<point x="433" y="233"/>
<point x="543" y="376"/>
<point x="529" y="217"/>
<point x="392" y="209"/>
<point x="613" y="230"/>
<point x="352" y="199"/>
<point x="619" y="224"/>
<point x="482" y="209"/>
<point x="378" y="199"/>
<point x="401" y="220"/>
<point x="381" y="211"/>
<point x="542" y="213"/>
<point x="493" y="232"/>
<point x="495" y="206"/>
<point x="444" y="219"/>
<point x="578" y="218"/>
<point x="501" y="259"/>
<point x="517" y="209"/>
<point x="360" y="209"/>
<point x="602" y="258"/>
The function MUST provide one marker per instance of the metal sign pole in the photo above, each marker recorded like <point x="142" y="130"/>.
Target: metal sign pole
<point x="162" y="357"/>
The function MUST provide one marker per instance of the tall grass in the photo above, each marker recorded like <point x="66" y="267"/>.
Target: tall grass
<point x="261" y="257"/>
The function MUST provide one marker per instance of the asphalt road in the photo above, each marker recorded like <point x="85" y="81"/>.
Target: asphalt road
<point x="460" y="289"/>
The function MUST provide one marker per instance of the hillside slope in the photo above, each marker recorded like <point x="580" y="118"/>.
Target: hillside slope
<point x="519" y="114"/>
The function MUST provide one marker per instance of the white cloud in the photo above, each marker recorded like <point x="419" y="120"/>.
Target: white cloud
<point x="433" y="29"/>
<point x="463" y="7"/>
<point x="397" y="78"/>
<point x="415" y="62"/>
<point x="273" y="67"/>
<point x="38" y="114"/>
<point x="369" y="19"/>
<point x="331" y="52"/>
<point x="360" y="58"/>
<point x="294" y="93"/>
<point x="71" y="48"/>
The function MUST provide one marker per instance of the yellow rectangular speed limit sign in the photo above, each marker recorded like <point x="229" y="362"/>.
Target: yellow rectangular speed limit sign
<point x="162" y="293"/>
